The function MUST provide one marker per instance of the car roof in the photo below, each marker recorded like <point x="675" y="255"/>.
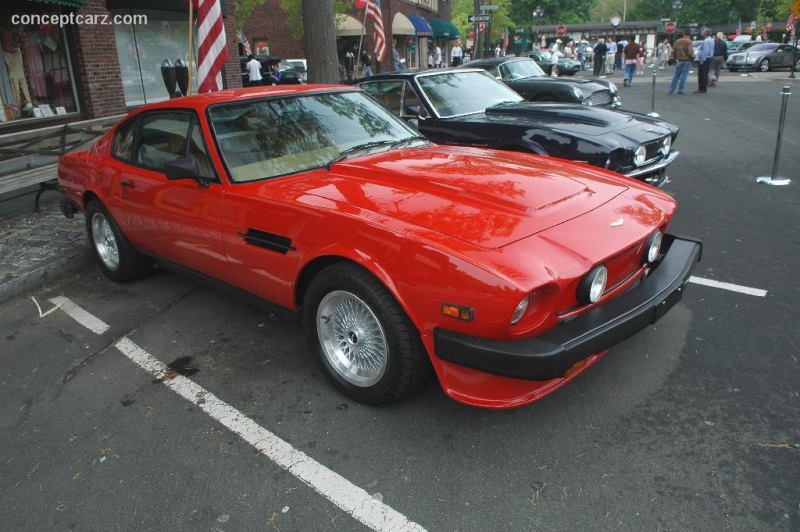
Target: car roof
<point x="410" y="74"/>
<point x="498" y="60"/>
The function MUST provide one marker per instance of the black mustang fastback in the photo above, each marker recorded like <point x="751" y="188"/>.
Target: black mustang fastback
<point x="472" y="108"/>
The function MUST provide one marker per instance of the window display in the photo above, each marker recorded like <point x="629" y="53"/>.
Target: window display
<point x="35" y="74"/>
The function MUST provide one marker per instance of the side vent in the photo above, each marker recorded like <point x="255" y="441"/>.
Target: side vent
<point x="278" y="243"/>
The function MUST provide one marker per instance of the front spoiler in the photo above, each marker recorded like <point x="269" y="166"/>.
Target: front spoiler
<point x="552" y="354"/>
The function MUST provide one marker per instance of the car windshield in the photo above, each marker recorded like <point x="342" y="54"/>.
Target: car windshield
<point x="764" y="47"/>
<point x="265" y="138"/>
<point x="458" y="93"/>
<point x="525" y="68"/>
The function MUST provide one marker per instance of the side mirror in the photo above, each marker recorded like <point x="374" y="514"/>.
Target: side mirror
<point x="185" y="169"/>
<point x="413" y="110"/>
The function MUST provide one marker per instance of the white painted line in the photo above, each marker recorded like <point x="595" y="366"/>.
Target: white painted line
<point x="350" y="498"/>
<point x="728" y="286"/>
<point x="95" y="325"/>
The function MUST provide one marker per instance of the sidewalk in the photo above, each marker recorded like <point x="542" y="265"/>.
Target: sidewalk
<point x="38" y="246"/>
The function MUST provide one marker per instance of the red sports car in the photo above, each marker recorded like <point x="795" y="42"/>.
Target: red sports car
<point x="506" y="274"/>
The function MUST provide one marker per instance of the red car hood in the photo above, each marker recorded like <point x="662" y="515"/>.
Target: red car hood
<point x="486" y="198"/>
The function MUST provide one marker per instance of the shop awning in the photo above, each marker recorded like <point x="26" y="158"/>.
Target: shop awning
<point x="421" y="25"/>
<point x="444" y="29"/>
<point x="401" y="25"/>
<point x="68" y="3"/>
<point x="348" y="26"/>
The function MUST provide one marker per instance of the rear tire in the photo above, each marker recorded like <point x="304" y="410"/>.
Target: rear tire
<point x="365" y="342"/>
<point x="117" y="258"/>
<point x="764" y="66"/>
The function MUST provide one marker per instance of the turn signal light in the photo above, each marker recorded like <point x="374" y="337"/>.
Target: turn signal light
<point x="457" y="312"/>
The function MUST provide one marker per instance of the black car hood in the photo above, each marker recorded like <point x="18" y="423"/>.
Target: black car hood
<point x="569" y="118"/>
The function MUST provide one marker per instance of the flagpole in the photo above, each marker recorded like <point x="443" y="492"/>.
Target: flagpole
<point x="191" y="46"/>
<point x="361" y="38"/>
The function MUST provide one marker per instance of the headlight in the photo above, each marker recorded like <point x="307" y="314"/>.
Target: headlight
<point x="640" y="156"/>
<point x="666" y="146"/>
<point x="612" y="87"/>
<point x="577" y="93"/>
<point x="653" y="247"/>
<point x="520" y="310"/>
<point x="592" y="285"/>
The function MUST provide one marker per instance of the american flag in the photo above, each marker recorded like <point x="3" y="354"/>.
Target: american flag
<point x="374" y="12"/>
<point x="212" y="52"/>
<point x="791" y="26"/>
<point x="245" y="43"/>
<point x="505" y="40"/>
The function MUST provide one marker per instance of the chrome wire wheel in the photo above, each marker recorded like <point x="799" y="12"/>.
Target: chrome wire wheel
<point x="105" y="241"/>
<point x="352" y="338"/>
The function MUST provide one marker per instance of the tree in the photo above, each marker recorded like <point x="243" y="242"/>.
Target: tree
<point x="320" y="44"/>
<point x="244" y="9"/>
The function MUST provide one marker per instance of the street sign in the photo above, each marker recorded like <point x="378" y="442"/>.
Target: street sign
<point x="796" y="8"/>
<point x="490" y="8"/>
<point x="479" y="18"/>
<point x="561" y="31"/>
<point x="669" y="27"/>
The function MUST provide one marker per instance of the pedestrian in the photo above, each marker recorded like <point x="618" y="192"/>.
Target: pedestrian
<point x="719" y="57"/>
<point x="254" y="71"/>
<point x="665" y="53"/>
<point x="397" y="63"/>
<point x="684" y="55"/>
<point x="581" y="50"/>
<point x="430" y="59"/>
<point x="640" y="60"/>
<point x="706" y="53"/>
<point x="437" y="57"/>
<point x="599" y="58"/>
<point x="611" y="54"/>
<point x="456" y="54"/>
<point x="554" y="53"/>
<point x="631" y="58"/>
<point x="619" y="58"/>
<point x="366" y="65"/>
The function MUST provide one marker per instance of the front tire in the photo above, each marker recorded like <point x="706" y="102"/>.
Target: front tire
<point x="764" y="65"/>
<point x="365" y="342"/>
<point x="117" y="258"/>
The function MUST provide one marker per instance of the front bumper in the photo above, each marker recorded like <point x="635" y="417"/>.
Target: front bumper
<point x="552" y="354"/>
<point x="656" y="173"/>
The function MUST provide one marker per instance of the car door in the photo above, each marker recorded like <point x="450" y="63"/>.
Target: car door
<point x="177" y="220"/>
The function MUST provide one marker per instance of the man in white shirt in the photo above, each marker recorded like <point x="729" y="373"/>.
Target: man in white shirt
<point x="456" y="54"/>
<point x="254" y="71"/>
<point x="554" y="53"/>
<point x="611" y="53"/>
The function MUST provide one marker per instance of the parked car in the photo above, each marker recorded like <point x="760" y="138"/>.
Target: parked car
<point x="472" y="108"/>
<point x="764" y="56"/>
<point x="526" y="77"/>
<point x="739" y="46"/>
<point x="289" y="74"/>
<point x="299" y="64"/>
<point x="566" y="65"/>
<point x="505" y="274"/>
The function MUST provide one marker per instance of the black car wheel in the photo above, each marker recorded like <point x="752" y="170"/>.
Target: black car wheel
<point x="117" y="258"/>
<point x="364" y="340"/>
<point x="764" y="65"/>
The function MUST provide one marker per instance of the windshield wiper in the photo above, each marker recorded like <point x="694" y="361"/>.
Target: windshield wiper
<point x="344" y="154"/>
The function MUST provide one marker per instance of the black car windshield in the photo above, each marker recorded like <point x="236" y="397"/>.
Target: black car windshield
<point x="265" y="138"/>
<point x="520" y="69"/>
<point x="765" y="47"/>
<point x="464" y="92"/>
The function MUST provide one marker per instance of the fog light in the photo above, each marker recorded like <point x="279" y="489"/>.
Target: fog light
<point x="593" y="285"/>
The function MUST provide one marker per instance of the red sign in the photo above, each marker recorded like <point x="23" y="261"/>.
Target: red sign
<point x="769" y="26"/>
<point x="669" y="27"/>
<point x="361" y="4"/>
<point x="561" y="31"/>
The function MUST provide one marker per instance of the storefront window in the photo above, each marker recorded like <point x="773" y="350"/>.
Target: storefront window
<point x="142" y="48"/>
<point x="36" y="78"/>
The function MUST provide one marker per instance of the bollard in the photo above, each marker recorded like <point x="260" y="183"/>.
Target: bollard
<point x="653" y="99"/>
<point x="773" y="179"/>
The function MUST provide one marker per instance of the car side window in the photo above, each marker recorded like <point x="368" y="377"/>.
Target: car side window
<point x="389" y="93"/>
<point x="494" y="71"/>
<point x="162" y="139"/>
<point x="198" y="150"/>
<point x="412" y="105"/>
<point x="122" y="145"/>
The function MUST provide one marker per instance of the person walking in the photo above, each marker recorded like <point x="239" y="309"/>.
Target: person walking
<point x="720" y="56"/>
<point x="437" y="57"/>
<point x="366" y="65"/>
<point x="599" y="59"/>
<point x="666" y="52"/>
<point x="254" y="71"/>
<point x="640" y="60"/>
<point x="456" y="54"/>
<point x="706" y="53"/>
<point x="554" y="53"/>
<point x="684" y="55"/>
<point x="581" y="51"/>
<point x="631" y="58"/>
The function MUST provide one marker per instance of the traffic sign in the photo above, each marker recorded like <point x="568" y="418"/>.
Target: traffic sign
<point x="796" y="8"/>
<point x="479" y="18"/>
<point x="669" y="27"/>
<point x="561" y="31"/>
<point x="490" y="8"/>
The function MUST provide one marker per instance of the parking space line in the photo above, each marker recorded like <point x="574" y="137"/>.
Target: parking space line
<point x="728" y="286"/>
<point x="75" y="312"/>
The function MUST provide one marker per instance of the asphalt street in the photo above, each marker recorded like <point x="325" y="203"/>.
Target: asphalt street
<point x="693" y="424"/>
